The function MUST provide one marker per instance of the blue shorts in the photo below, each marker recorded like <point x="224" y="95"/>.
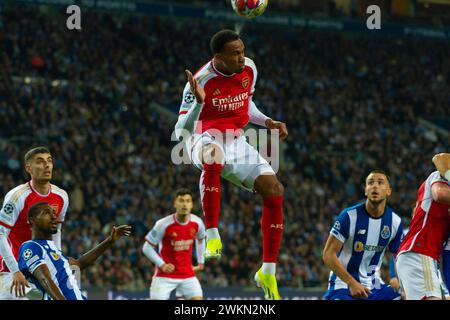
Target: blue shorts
<point x="384" y="293"/>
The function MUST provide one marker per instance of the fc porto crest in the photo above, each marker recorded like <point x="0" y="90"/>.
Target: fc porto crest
<point x="386" y="232"/>
<point x="245" y="82"/>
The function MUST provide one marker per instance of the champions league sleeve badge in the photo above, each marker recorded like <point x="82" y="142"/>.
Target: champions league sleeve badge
<point x="189" y="97"/>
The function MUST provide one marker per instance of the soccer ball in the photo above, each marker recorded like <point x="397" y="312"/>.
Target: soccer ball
<point x="249" y="8"/>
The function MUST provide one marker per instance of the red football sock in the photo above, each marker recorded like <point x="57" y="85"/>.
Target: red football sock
<point x="210" y="191"/>
<point x="272" y="227"/>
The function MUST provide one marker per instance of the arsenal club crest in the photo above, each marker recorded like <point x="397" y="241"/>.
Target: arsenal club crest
<point x="192" y="232"/>
<point x="55" y="207"/>
<point x="245" y="82"/>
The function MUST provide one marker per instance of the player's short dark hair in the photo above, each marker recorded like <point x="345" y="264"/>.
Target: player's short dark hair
<point x="183" y="192"/>
<point x="380" y="172"/>
<point x="32" y="152"/>
<point x="221" y="38"/>
<point x="35" y="209"/>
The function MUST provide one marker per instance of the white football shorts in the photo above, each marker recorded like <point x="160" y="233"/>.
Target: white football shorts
<point x="242" y="163"/>
<point x="188" y="288"/>
<point x="419" y="276"/>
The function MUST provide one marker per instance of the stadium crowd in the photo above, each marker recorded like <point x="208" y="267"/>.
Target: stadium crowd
<point x="351" y="103"/>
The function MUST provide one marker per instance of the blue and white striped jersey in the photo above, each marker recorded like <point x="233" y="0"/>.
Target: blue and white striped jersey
<point x="34" y="253"/>
<point x="365" y="240"/>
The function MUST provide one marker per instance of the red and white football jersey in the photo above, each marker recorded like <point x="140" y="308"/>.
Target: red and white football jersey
<point x="430" y="225"/>
<point x="14" y="213"/>
<point x="227" y="97"/>
<point x="175" y="242"/>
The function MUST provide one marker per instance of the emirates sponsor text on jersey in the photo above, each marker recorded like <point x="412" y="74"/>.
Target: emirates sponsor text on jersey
<point x="230" y="103"/>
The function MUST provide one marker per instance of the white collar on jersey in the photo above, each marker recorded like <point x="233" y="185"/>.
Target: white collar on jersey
<point x="42" y="195"/>
<point x="179" y="222"/>
<point x="218" y="72"/>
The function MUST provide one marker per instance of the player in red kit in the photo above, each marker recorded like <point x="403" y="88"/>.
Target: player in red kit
<point x="14" y="227"/>
<point x="217" y="104"/>
<point x="417" y="261"/>
<point x="174" y="237"/>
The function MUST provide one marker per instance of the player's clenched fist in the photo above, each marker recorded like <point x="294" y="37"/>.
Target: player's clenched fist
<point x="196" y="89"/>
<point x="272" y="124"/>
<point x="442" y="164"/>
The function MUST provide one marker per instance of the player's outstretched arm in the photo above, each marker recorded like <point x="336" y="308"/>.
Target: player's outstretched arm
<point x="42" y="274"/>
<point x="89" y="258"/>
<point x="331" y="260"/>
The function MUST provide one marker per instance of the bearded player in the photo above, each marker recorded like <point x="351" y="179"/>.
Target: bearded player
<point x="14" y="227"/>
<point x="217" y="104"/>
<point x="417" y="260"/>
<point x="357" y="243"/>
